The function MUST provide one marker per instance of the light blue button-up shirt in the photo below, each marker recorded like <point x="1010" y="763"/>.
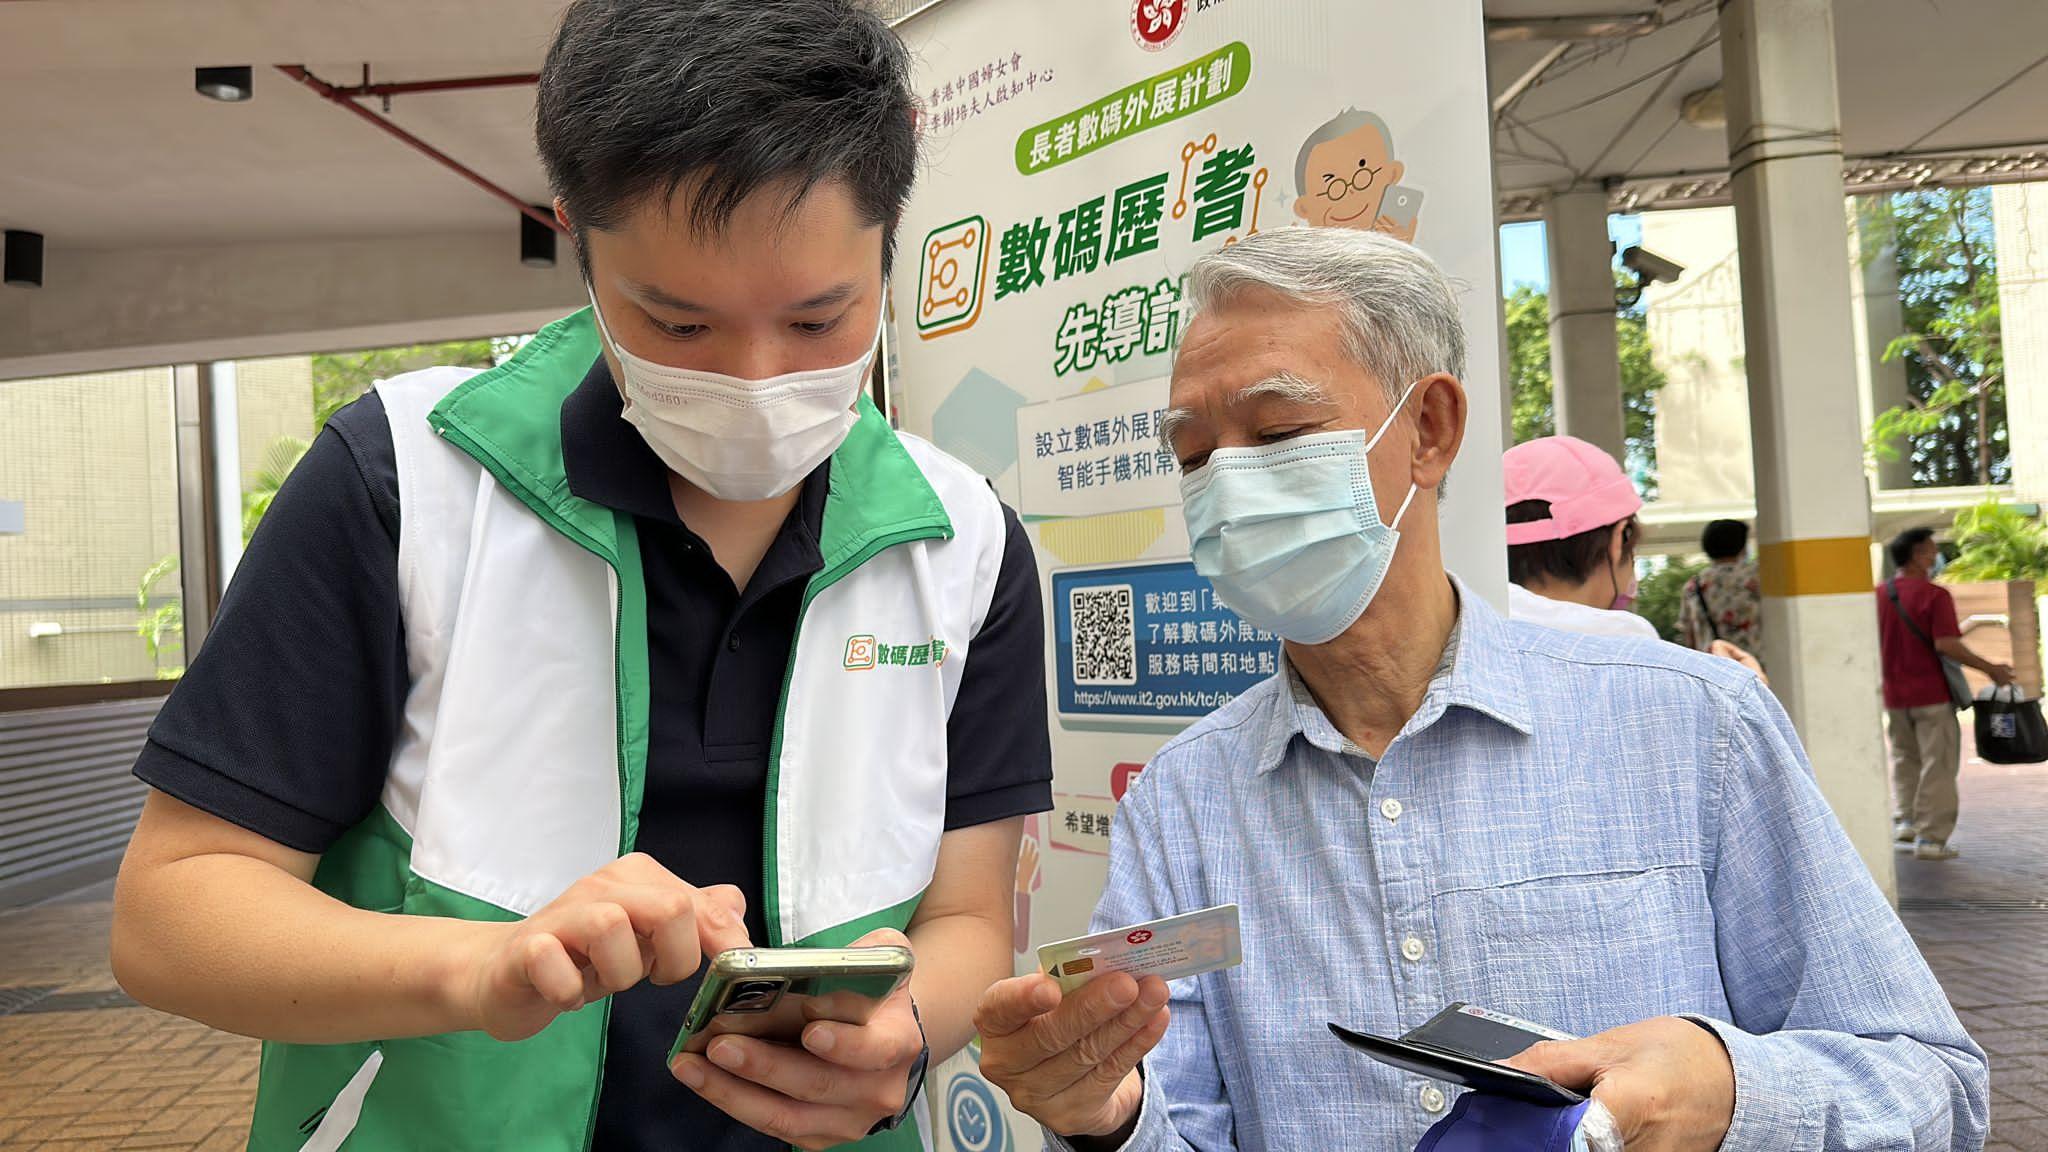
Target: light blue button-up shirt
<point x="1580" y="831"/>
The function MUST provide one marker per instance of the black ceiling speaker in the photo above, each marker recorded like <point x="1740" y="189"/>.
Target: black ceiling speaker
<point x="536" y="241"/>
<point x="232" y="85"/>
<point x="23" y="259"/>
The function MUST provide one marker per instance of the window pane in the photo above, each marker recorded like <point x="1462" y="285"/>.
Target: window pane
<point x="89" y="588"/>
<point x="264" y="414"/>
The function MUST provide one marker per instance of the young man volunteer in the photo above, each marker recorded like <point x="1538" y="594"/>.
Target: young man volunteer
<point x="542" y="685"/>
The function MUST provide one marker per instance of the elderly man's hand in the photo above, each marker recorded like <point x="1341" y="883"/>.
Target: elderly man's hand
<point x="1070" y="1063"/>
<point x="1667" y="1081"/>
<point x="844" y="1079"/>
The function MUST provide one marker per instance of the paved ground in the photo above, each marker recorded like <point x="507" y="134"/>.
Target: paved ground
<point x="1982" y="922"/>
<point x="82" y="1068"/>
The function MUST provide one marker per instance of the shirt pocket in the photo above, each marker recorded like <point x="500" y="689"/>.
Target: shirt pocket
<point x="1584" y="952"/>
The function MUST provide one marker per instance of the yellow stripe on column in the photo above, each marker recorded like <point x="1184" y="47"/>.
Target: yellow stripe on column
<point x="1815" y="567"/>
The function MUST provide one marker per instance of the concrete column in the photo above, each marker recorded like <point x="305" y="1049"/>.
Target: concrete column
<point x="226" y="415"/>
<point x="1585" y="359"/>
<point x="1880" y="319"/>
<point x="1813" y="501"/>
<point x="2019" y="214"/>
<point x="195" y="518"/>
<point x="1507" y="383"/>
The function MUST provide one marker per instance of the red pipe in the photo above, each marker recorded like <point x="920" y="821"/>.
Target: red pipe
<point x="342" y="98"/>
<point x="405" y="87"/>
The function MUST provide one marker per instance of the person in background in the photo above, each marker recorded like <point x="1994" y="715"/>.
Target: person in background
<point x="1572" y="533"/>
<point x="1916" y="627"/>
<point x="1722" y="602"/>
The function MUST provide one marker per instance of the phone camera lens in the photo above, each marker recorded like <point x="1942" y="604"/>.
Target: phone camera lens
<point x="752" y="996"/>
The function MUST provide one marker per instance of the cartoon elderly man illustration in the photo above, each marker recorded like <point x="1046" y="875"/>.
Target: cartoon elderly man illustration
<point x="1347" y="177"/>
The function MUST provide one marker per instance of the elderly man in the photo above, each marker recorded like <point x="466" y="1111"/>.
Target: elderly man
<point x="1617" y="838"/>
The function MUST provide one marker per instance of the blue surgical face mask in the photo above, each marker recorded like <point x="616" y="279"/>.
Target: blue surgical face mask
<point x="1290" y="534"/>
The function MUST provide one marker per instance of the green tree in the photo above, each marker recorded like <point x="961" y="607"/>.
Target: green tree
<point x="162" y="627"/>
<point x="1534" y="411"/>
<point x="1953" y="430"/>
<point x="340" y="377"/>
<point x="1996" y="542"/>
<point x="1658" y="595"/>
<point x="279" y="459"/>
<point x="1528" y="367"/>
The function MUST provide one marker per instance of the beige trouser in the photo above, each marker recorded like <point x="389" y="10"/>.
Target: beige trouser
<point x="1927" y="750"/>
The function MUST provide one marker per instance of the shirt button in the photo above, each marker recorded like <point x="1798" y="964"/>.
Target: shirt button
<point x="1390" y="808"/>
<point x="732" y="643"/>
<point x="1432" y="1099"/>
<point x="1412" y="948"/>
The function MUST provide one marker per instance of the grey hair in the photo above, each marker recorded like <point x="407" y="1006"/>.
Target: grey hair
<point x="1286" y="385"/>
<point x="1342" y="124"/>
<point x="1399" y="311"/>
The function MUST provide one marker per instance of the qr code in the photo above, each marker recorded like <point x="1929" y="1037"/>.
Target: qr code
<point x="1105" y="635"/>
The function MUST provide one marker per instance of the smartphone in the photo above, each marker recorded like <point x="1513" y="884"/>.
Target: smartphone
<point x="771" y="993"/>
<point x="1425" y="1059"/>
<point x="1402" y="205"/>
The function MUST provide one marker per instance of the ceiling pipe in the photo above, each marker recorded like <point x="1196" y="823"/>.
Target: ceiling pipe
<point x="408" y="87"/>
<point x="342" y="98"/>
<point x="1620" y="25"/>
<point x="1513" y="92"/>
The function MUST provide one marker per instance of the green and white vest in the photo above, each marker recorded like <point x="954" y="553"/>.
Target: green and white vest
<point x="523" y="752"/>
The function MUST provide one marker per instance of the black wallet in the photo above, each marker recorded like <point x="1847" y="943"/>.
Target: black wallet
<point x="1460" y="1044"/>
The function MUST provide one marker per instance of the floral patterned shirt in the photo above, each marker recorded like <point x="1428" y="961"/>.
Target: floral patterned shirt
<point x="1731" y="595"/>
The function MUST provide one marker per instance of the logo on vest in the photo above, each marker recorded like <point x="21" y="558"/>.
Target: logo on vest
<point x="865" y="652"/>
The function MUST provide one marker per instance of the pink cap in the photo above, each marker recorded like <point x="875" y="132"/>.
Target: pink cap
<point x="1585" y="488"/>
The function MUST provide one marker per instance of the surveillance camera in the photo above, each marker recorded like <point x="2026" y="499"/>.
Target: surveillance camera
<point x="1650" y="266"/>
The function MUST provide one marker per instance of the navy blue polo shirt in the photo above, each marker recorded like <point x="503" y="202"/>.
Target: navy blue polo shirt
<point x="286" y="720"/>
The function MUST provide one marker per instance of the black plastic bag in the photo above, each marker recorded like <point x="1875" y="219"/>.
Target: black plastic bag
<point x="2010" y="730"/>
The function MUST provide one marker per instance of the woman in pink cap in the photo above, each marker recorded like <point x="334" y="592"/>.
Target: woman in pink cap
<point x="1572" y="534"/>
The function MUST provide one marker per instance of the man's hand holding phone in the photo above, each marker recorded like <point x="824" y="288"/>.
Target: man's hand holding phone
<point x="1070" y="1062"/>
<point x="629" y="921"/>
<point x="833" y="1090"/>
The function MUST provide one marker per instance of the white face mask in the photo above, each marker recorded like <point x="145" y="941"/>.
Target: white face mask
<point x="739" y="439"/>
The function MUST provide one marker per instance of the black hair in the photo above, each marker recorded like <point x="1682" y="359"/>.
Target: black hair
<point x="1905" y="543"/>
<point x="638" y="97"/>
<point x="1724" y="539"/>
<point x="1571" y="560"/>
